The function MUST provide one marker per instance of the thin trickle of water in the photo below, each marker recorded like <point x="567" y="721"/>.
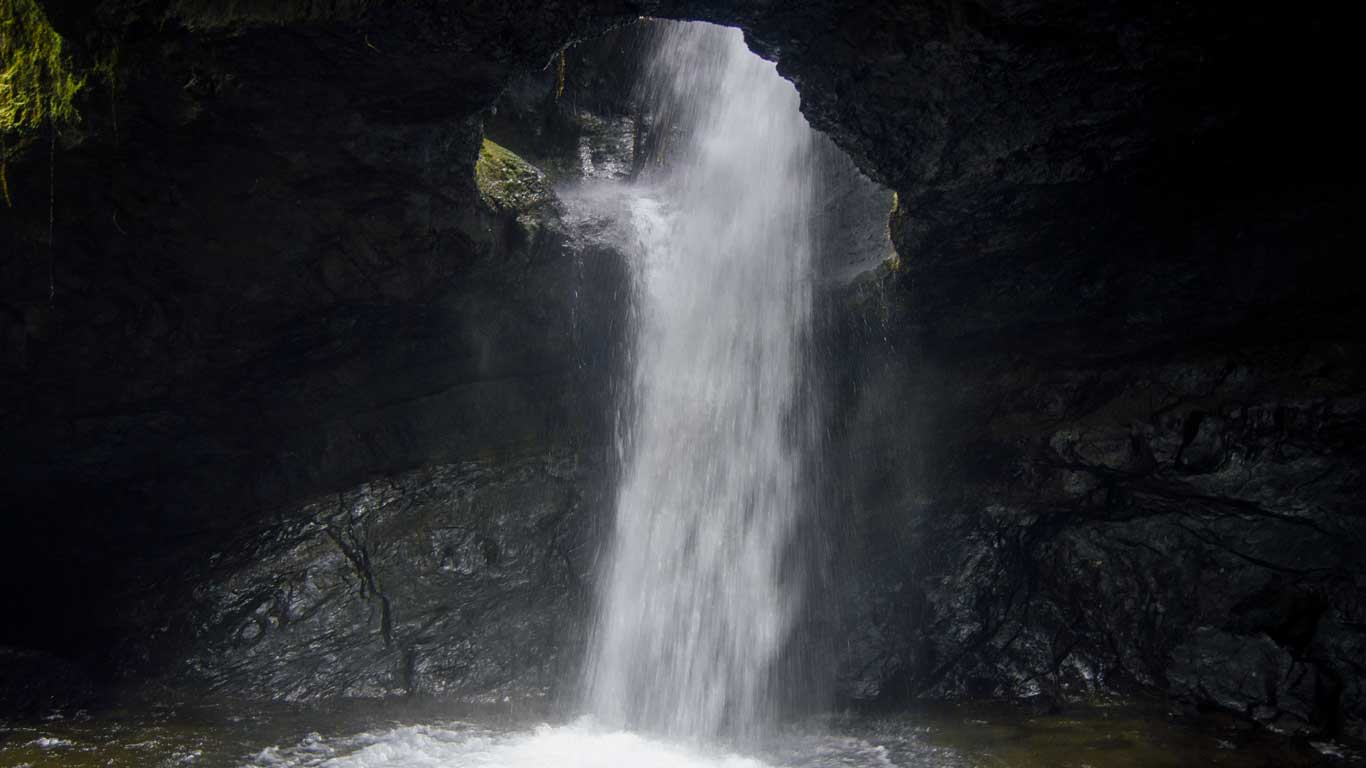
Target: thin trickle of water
<point x="696" y="601"/>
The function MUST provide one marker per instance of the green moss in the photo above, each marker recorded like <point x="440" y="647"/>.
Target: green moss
<point x="37" y="81"/>
<point x="107" y="67"/>
<point x="506" y="181"/>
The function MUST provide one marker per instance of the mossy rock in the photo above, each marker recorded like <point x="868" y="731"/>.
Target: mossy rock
<point x="38" y="84"/>
<point x="507" y="182"/>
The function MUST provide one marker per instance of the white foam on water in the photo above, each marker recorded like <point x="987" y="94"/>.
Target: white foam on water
<point x="579" y="745"/>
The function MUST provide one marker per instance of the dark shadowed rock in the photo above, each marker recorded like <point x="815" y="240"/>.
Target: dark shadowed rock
<point x="463" y="579"/>
<point x="1248" y="674"/>
<point x="1153" y="524"/>
<point x="33" y="683"/>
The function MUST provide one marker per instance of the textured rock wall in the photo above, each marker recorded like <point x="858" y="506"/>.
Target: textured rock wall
<point x="1184" y="522"/>
<point x="1099" y="423"/>
<point x="275" y="277"/>
<point x="465" y="579"/>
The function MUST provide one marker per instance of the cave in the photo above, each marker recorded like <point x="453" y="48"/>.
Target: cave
<point x="313" y="377"/>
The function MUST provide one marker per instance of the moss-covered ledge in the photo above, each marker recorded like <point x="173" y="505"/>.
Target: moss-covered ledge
<point x="507" y="183"/>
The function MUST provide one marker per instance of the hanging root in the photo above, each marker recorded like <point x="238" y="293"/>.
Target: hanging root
<point x="559" y="77"/>
<point x="51" y="213"/>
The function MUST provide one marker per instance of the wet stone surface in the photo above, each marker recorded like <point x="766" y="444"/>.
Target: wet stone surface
<point x="466" y="578"/>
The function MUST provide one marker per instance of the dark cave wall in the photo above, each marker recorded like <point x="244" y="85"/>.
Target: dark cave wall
<point x="1104" y="413"/>
<point x="1184" y="523"/>
<point x="275" y="279"/>
<point x="1096" y="428"/>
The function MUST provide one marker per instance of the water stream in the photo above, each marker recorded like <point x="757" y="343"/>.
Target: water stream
<point x="694" y="602"/>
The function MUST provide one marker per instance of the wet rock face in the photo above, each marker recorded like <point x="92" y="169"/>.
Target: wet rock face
<point x="465" y="579"/>
<point x="266" y="288"/>
<point x="1184" y="525"/>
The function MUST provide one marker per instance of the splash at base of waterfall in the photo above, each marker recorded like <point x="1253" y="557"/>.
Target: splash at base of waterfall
<point x="582" y="744"/>
<point x="414" y="735"/>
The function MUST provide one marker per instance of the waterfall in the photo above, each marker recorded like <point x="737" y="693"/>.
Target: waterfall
<point x="698" y="596"/>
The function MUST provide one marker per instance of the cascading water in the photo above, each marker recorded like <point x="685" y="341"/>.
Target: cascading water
<point x="695" y="604"/>
<point x="702" y="581"/>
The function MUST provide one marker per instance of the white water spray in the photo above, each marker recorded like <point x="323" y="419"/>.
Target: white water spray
<point x="695" y="604"/>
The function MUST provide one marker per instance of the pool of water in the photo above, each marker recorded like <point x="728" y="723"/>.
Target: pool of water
<point x="438" y="736"/>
